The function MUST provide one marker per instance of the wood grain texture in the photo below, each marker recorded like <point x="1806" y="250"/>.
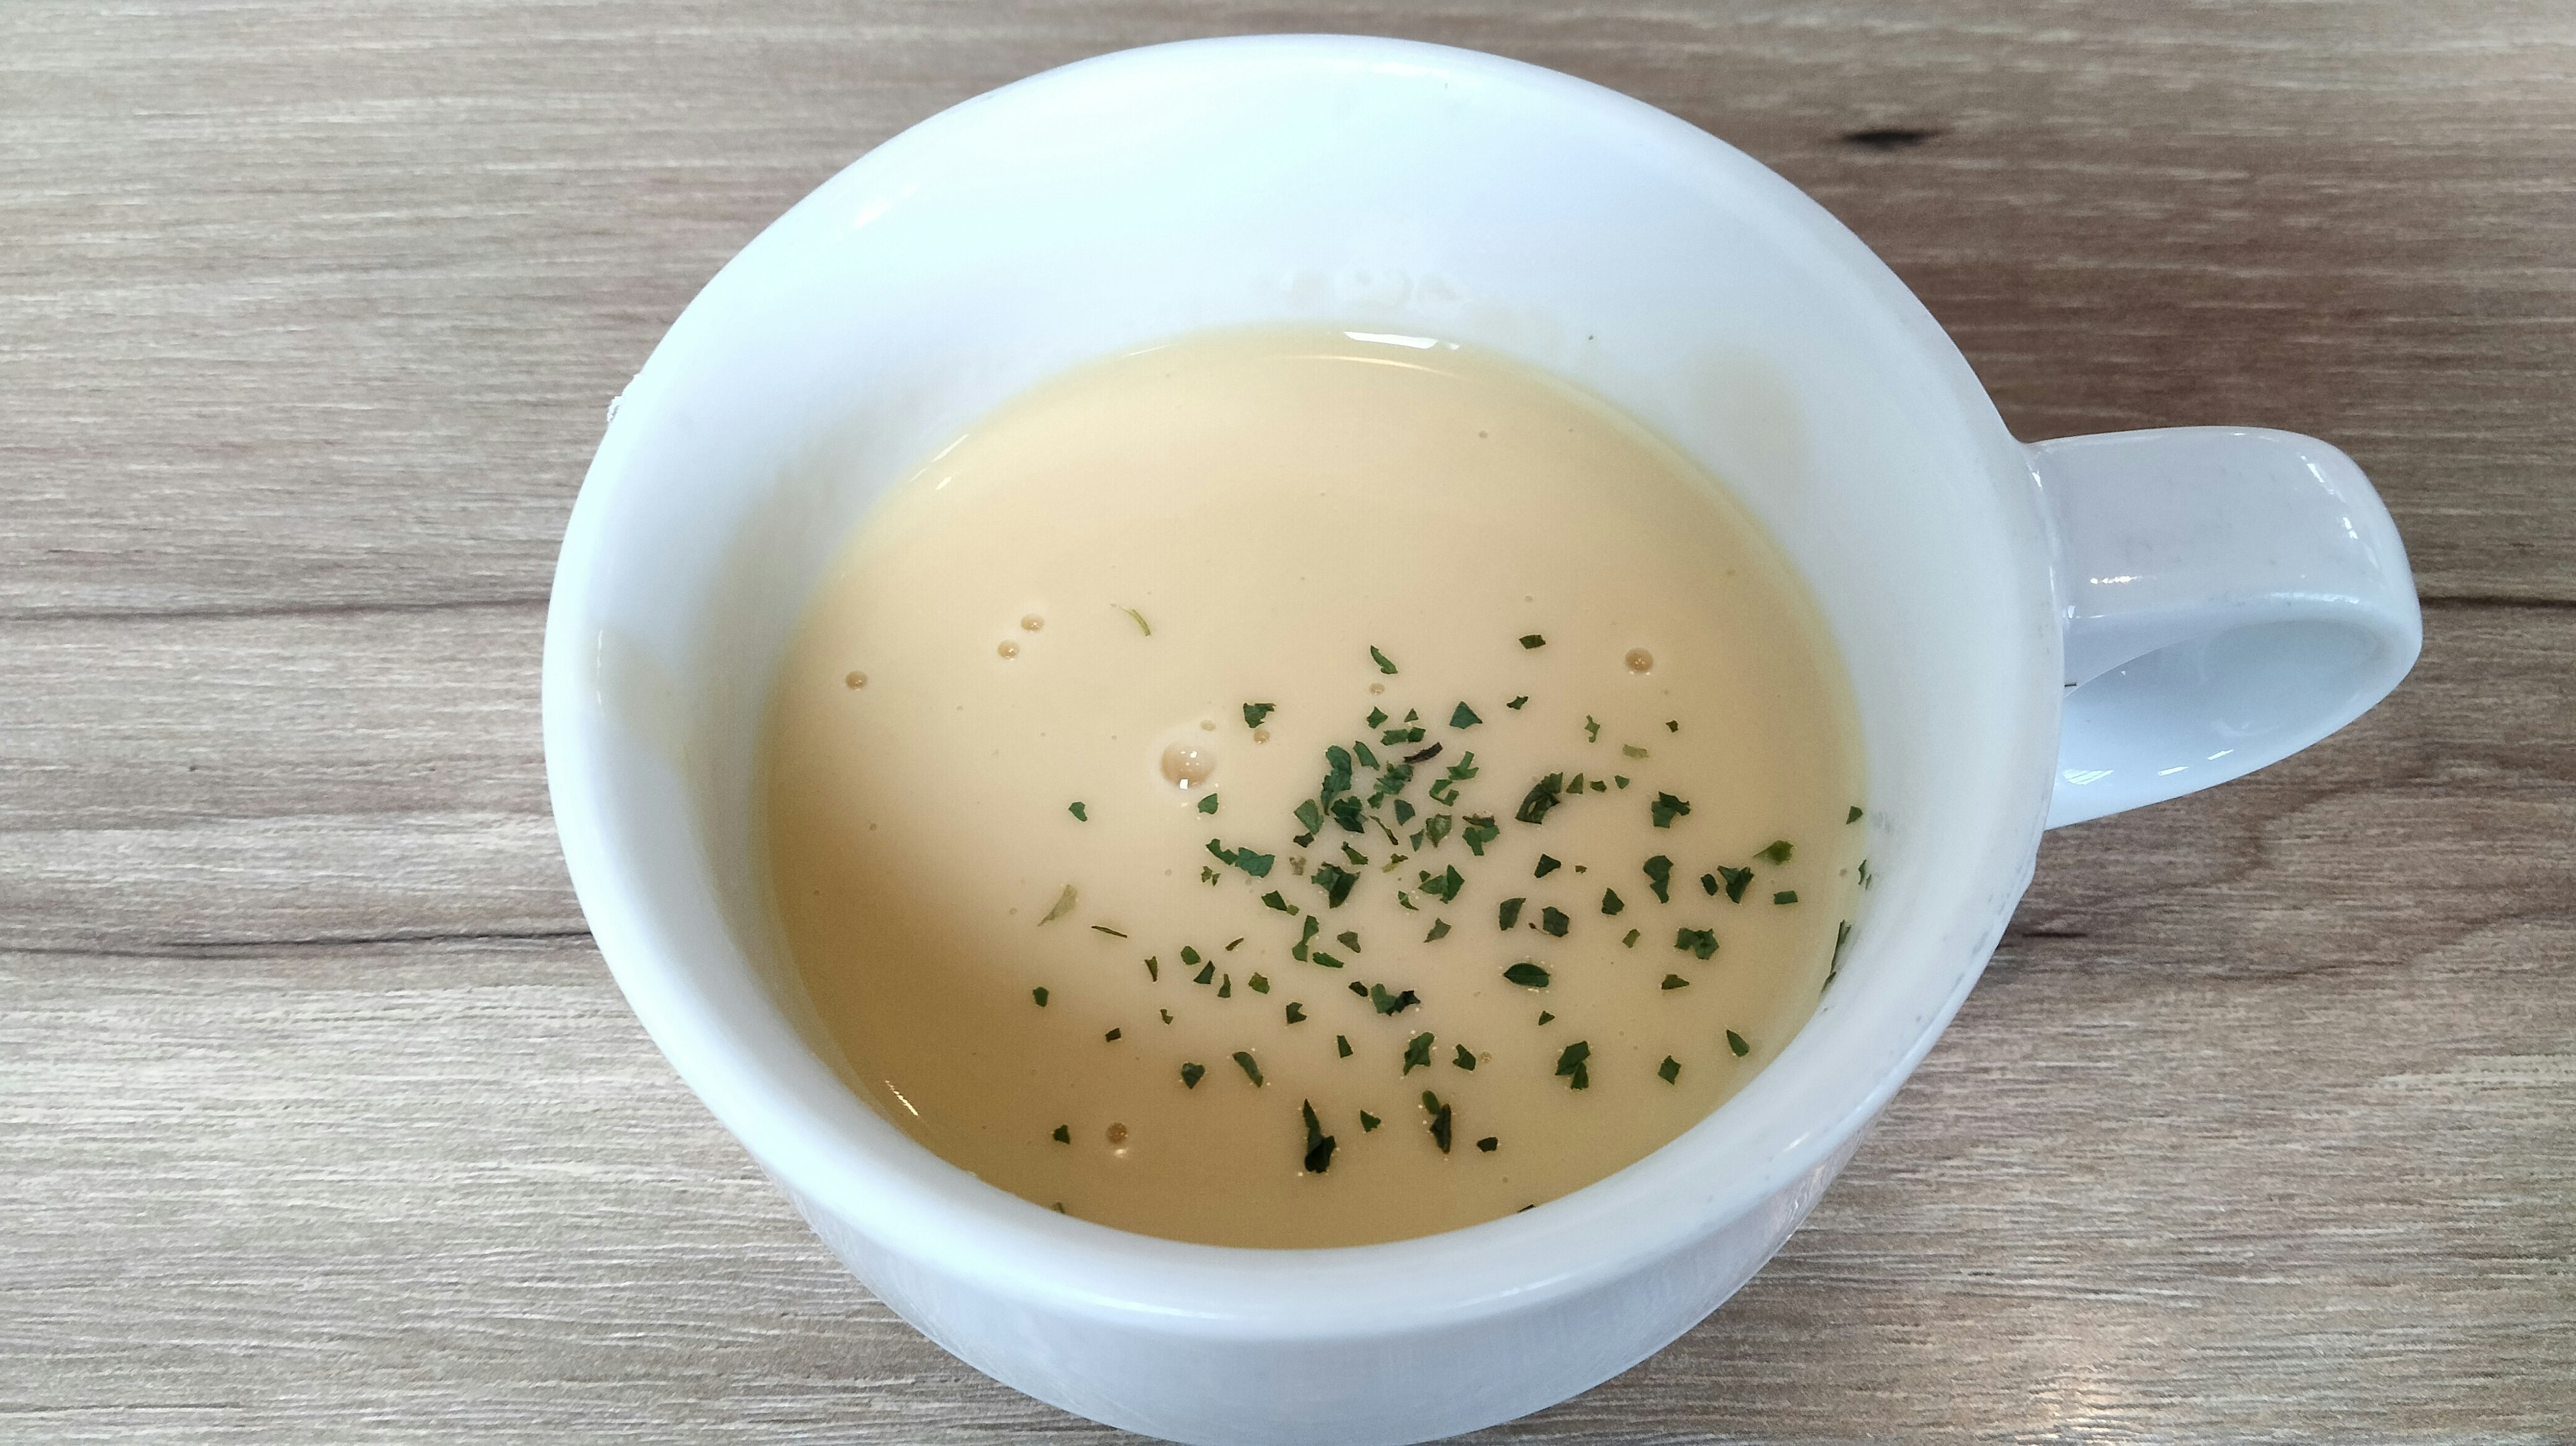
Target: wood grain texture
<point x="320" y="1120"/>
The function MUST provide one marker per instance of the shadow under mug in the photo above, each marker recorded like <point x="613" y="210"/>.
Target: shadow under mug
<point x="2213" y="598"/>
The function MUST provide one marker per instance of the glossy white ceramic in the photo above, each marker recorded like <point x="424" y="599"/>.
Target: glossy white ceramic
<point x="1406" y="188"/>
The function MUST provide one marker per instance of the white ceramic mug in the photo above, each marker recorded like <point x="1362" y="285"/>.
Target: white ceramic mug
<point x="2215" y="598"/>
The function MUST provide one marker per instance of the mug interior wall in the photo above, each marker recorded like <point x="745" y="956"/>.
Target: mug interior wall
<point x="1022" y="234"/>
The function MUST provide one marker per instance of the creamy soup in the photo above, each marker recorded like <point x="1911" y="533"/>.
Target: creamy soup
<point x="1293" y="788"/>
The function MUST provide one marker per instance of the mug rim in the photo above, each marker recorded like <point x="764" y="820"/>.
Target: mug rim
<point x="911" y="1204"/>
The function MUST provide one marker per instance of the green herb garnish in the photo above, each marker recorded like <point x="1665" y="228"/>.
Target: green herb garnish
<point x="1369" y="1122"/>
<point x="1384" y="664"/>
<point x="1080" y="814"/>
<point x="1490" y="1144"/>
<point x="1064" y="1134"/>
<point x="1322" y="960"/>
<point x="1319" y="1146"/>
<point x="1659" y="877"/>
<point x="1376" y="717"/>
<point x="1785" y="896"/>
<point x="1063" y="906"/>
<point x="1611" y="903"/>
<point x="1296" y="1013"/>
<point x="1311" y="814"/>
<point x="1515" y="704"/>
<point x="1225" y="987"/>
<point x="1417" y="1053"/>
<point x="1258" y="984"/>
<point x="1465" y="1058"/>
<point x="1040" y="995"/>
<point x="1544" y="1016"/>
<point x="1736" y="879"/>
<point x="1854" y="815"/>
<point x="1552" y="920"/>
<point x="1672" y="725"/>
<point x="1527" y="975"/>
<point x="1439" y="930"/>
<point x="1190" y="955"/>
<point x="1675" y="981"/>
<point x="1735" y="1042"/>
<point x="1208" y="804"/>
<point x="1546" y="866"/>
<point x="1439" y="1120"/>
<point x="1631" y="940"/>
<point x="1251" y="1067"/>
<point x="1591" y="728"/>
<point x="1509" y="915"/>
<point x="1463" y="717"/>
<point x="1700" y="942"/>
<point x="1842" y="936"/>
<point x="1632" y="750"/>
<point x="1666" y="808"/>
<point x="1541" y="797"/>
<point x="1112" y="1036"/>
<point x="1274" y="900"/>
<point x="1105" y="929"/>
<point x="1670" y="1069"/>
<point x="1620" y="779"/>
<point x="1445" y="887"/>
<point x="1153" y="969"/>
<point x="1386" y="1003"/>
<point x="1779" y="851"/>
<point x="1342" y="1043"/>
<point x="1253" y="713"/>
<point x="1480" y="831"/>
<point x="1570" y="1065"/>
<point x="1142" y="626"/>
<point x="1191" y="1074"/>
<point x="1206" y="974"/>
<point x="1336" y="883"/>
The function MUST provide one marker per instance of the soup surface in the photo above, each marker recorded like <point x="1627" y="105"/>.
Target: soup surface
<point x="1304" y="788"/>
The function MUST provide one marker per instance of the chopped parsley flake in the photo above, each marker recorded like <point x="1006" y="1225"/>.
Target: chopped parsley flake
<point x="1064" y="1134"/>
<point x="1552" y="920"/>
<point x="1672" y="725"/>
<point x="1659" y="877"/>
<point x="1336" y="883"/>
<point x="1465" y="1058"/>
<point x="1112" y="1036"/>
<point x="1632" y="750"/>
<point x="1191" y="1074"/>
<point x="1208" y="804"/>
<point x="1377" y="717"/>
<point x="1225" y="987"/>
<point x="1785" y="896"/>
<point x="1570" y="1065"/>
<point x="1369" y="1122"/>
<point x="1251" y="1067"/>
<point x="1253" y="713"/>
<point x="1779" y="851"/>
<point x="1040" y="995"/>
<point x="1480" y="831"/>
<point x="1063" y="905"/>
<point x="1257" y="865"/>
<point x="1142" y="626"/>
<point x="1546" y="866"/>
<point x="1417" y="1052"/>
<point x="1854" y="815"/>
<point x="1080" y="814"/>
<point x="1463" y="717"/>
<point x="1384" y="664"/>
<point x="1700" y="942"/>
<point x="1666" y="808"/>
<point x="1319" y="1146"/>
<point x="1631" y="940"/>
<point x="1189" y="955"/>
<point x="1275" y="901"/>
<point x="1509" y="915"/>
<point x="1342" y="1044"/>
<point x="1259" y="984"/>
<point x="1544" y="1016"/>
<point x="1323" y="960"/>
<point x="1439" y="930"/>
<point x="1490" y="1144"/>
<point x="1439" y="1120"/>
<point x="1611" y="903"/>
<point x="1735" y="1043"/>
<point x="1386" y="1003"/>
<point x="1296" y="1013"/>
<point x="1842" y="936"/>
<point x="1736" y="879"/>
<point x="1675" y="981"/>
<point x="1541" y="797"/>
<point x="1311" y="814"/>
<point x="1206" y="974"/>
<point x="1592" y="728"/>
<point x="1167" y="1015"/>
<point x="1532" y="640"/>
<point x="1527" y="975"/>
<point x="1154" y="969"/>
<point x="1445" y="887"/>
<point x="1620" y="779"/>
<point x="1517" y="702"/>
<point x="1670" y="1069"/>
<point x="1105" y="929"/>
<point x="1349" y="940"/>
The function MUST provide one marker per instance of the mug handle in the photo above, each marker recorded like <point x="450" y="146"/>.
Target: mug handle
<point x="2228" y="595"/>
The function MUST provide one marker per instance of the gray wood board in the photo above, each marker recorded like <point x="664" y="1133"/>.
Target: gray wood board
<point x="320" y="1119"/>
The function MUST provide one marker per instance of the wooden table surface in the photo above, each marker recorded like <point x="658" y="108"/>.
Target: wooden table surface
<point x="321" y="1120"/>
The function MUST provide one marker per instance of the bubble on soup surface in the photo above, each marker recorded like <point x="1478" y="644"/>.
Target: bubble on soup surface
<point x="1118" y="1134"/>
<point x="1032" y="622"/>
<point x="1008" y="650"/>
<point x="1188" y="765"/>
<point x="1640" y="661"/>
<point x="855" y="679"/>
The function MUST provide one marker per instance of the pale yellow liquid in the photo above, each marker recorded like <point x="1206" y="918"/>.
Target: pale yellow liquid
<point x="1272" y="505"/>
